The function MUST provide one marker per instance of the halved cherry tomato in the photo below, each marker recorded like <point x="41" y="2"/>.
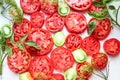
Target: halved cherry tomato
<point x="62" y="58"/>
<point x="54" y="22"/>
<point x="19" y="61"/>
<point x="37" y="19"/>
<point x="30" y="6"/>
<point x="40" y="65"/>
<point x="90" y="45"/>
<point x="73" y="41"/>
<point x="99" y="60"/>
<point x="58" y="76"/>
<point x="112" y="46"/>
<point x="75" y="22"/>
<point x="79" y="4"/>
<point x="43" y="38"/>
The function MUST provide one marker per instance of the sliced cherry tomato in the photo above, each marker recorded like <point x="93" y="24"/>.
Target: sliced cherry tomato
<point x="112" y="46"/>
<point x="58" y="76"/>
<point x="54" y="22"/>
<point x="62" y="58"/>
<point x="103" y="28"/>
<point x="43" y="38"/>
<point x="30" y="6"/>
<point x="49" y="6"/>
<point x="37" y="19"/>
<point x="99" y="60"/>
<point x="40" y="65"/>
<point x="79" y="4"/>
<point x="84" y="70"/>
<point x="75" y="22"/>
<point x="73" y="41"/>
<point x="90" y="45"/>
<point x="19" y="61"/>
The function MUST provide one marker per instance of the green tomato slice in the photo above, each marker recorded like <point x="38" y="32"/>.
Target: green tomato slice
<point x="25" y="76"/>
<point x="70" y="74"/>
<point x="59" y="38"/>
<point x="80" y="56"/>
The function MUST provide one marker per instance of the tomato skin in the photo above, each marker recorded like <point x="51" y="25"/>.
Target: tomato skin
<point x="112" y="46"/>
<point x="75" y="22"/>
<point x="73" y="41"/>
<point x="19" y="62"/>
<point x="90" y="45"/>
<point x="62" y="58"/>
<point x="99" y="61"/>
<point x="58" y="76"/>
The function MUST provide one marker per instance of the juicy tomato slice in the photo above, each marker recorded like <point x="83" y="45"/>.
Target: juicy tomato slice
<point x="30" y="6"/>
<point x="90" y="45"/>
<point x="19" y="61"/>
<point x="103" y="28"/>
<point x="99" y="60"/>
<point x="62" y="58"/>
<point x="79" y="4"/>
<point x="58" y="76"/>
<point x="112" y="46"/>
<point x="43" y="38"/>
<point x="73" y="41"/>
<point x="54" y="22"/>
<point x="40" y="65"/>
<point x="37" y="19"/>
<point x="75" y="22"/>
<point x="84" y="70"/>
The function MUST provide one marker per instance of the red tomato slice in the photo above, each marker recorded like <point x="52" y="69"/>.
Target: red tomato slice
<point x="90" y="45"/>
<point x="37" y="19"/>
<point x="112" y="46"/>
<point x="75" y="22"/>
<point x="30" y="6"/>
<point x="99" y="60"/>
<point x="73" y="41"/>
<point x="103" y="28"/>
<point x="54" y="22"/>
<point x="19" y="62"/>
<point x="43" y="38"/>
<point x="58" y="76"/>
<point x="79" y="4"/>
<point x="40" y="64"/>
<point x="62" y="58"/>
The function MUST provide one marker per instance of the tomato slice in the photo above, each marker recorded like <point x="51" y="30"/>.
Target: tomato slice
<point x="99" y="60"/>
<point x="75" y="22"/>
<point x="54" y="22"/>
<point x="30" y="6"/>
<point x="43" y="38"/>
<point x="103" y="28"/>
<point x="79" y="4"/>
<point x="112" y="46"/>
<point x="37" y="19"/>
<point x="40" y="65"/>
<point x="73" y="41"/>
<point x="19" y="61"/>
<point x="62" y="58"/>
<point x="90" y="45"/>
<point x="58" y="76"/>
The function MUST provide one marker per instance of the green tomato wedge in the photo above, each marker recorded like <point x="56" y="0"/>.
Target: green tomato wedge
<point x="6" y="30"/>
<point x="80" y="56"/>
<point x="59" y="38"/>
<point x="70" y="74"/>
<point x="25" y="76"/>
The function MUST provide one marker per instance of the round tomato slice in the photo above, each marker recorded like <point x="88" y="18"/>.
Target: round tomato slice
<point x="54" y="23"/>
<point x="73" y="41"/>
<point x="43" y="38"/>
<point x="37" y="19"/>
<point x="40" y="65"/>
<point x="19" y="61"/>
<point x="103" y="28"/>
<point x="112" y="46"/>
<point x="99" y="60"/>
<point x="79" y="4"/>
<point x="58" y="76"/>
<point x="75" y="22"/>
<point x="62" y="58"/>
<point x="90" y="45"/>
<point x="30" y="6"/>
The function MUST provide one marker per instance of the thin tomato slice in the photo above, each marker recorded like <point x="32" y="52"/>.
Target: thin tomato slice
<point x="58" y="76"/>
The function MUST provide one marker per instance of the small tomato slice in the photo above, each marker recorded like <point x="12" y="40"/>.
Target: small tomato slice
<point x="58" y="76"/>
